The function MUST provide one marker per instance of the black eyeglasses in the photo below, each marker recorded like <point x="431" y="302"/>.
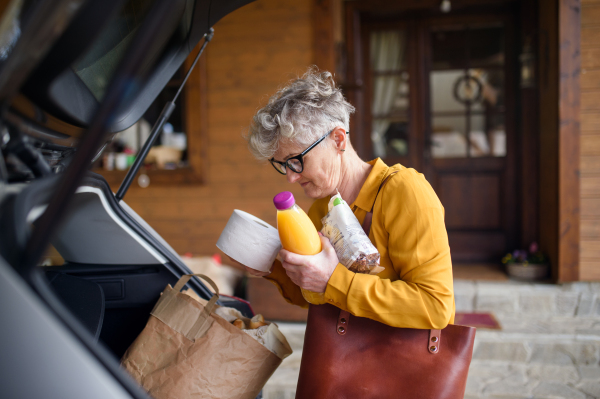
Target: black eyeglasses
<point x="296" y="164"/>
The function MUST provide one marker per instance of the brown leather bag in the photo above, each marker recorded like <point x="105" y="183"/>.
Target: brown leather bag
<point x="347" y="356"/>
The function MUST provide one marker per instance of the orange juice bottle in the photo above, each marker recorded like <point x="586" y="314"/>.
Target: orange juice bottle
<point x="297" y="234"/>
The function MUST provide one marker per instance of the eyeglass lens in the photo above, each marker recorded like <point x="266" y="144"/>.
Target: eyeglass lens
<point x="295" y="165"/>
<point x="279" y="167"/>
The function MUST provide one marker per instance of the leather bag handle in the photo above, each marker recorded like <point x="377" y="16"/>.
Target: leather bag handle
<point x="366" y="225"/>
<point x="343" y="322"/>
<point x="435" y="336"/>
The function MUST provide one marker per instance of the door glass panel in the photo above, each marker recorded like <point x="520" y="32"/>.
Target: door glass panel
<point x="390" y="102"/>
<point x="448" y="138"/>
<point x="467" y="99"/>
<point x="481" y="46"/>
<point x="442" y="89"/>
<point x="448" y="48"/>
<point x="486" y="46"/>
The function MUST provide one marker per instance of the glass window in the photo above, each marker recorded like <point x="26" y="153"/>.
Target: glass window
<point x="170" y="150"/>
<point x="98" y="65"/>
<point x="458" y="47"/>
<point x="467" y="93"/>
<point x="390" y="104"/>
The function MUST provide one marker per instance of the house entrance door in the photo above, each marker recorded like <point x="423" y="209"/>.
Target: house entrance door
<point x="469" y="133"/>
<point x="442" y="101"/>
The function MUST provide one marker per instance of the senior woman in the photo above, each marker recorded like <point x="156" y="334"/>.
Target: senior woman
<point x="303" y="132"/>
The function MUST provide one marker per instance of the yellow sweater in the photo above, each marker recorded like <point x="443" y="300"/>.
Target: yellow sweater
<point x="415" y="290"/>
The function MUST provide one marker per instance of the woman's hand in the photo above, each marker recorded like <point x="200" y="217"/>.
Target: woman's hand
<point x="250" y="270"/>
<point x="311" y="272"/>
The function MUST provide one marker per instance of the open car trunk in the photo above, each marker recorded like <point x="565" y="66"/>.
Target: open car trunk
<point x="72" y="73"/>
<point x="107" y="245"/>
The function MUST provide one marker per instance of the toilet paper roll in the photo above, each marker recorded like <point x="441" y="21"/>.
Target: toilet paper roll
<point x="250" y="241"/>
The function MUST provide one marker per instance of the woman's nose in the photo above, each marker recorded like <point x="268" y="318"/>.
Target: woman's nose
<point x="292" y="176"/>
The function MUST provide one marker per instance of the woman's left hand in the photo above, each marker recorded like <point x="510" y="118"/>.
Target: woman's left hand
<point x="311" y="272"/>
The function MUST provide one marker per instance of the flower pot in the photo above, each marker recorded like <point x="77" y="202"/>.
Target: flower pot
<point x="527" y="271"/>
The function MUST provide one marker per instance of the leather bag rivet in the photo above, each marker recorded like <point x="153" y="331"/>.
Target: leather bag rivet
<point x="434" y="339"/>
<point x="433" y="349"/>
<point x="343" y="321"/>
<point x="341" y="329"/>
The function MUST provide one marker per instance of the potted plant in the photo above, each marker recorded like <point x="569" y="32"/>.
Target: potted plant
<point x="526" y="265"/>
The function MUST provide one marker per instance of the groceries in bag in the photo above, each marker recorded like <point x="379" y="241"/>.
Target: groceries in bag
<point x="190" y="349"/>
<point x="352" y="246"/>
<point x="297" y="234"/>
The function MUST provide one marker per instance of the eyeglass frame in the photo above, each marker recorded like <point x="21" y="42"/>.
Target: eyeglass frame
<point x="299" y="157"/>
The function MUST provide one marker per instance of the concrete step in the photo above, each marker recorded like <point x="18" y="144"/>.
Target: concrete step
<point x="548" y="347"/>
<point x="581" y="299"/>
<point x="534" y="365"/>
<point x="282" y="384"/>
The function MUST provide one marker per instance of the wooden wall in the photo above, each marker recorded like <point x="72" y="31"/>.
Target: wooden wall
<point x="589" y="268"/>
<point x="255" y="50"/>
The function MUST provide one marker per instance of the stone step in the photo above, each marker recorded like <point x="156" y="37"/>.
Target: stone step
<point x="497" y="379"/>
<point x="581" y="299"/>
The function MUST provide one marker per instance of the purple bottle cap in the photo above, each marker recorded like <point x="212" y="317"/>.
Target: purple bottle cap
<point x="284" y="200"/>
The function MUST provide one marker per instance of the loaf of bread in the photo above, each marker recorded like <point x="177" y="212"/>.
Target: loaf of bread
<point x="257" y="321"/>
<point x="239" y="323"/>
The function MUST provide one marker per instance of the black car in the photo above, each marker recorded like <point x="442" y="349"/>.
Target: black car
<point x="72" y="74"/>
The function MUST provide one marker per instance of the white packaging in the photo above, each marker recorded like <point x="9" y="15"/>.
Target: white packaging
<point x="352" y="245"/>
<point x="121" y="161"/>
<point x="250" y="241"/>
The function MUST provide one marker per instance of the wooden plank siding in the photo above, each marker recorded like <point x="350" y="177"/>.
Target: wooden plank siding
<point x="589" y="268"/>
<point x="569" y="139"/>
<point x="560" y="161"/>
<point x="255" y="50"/>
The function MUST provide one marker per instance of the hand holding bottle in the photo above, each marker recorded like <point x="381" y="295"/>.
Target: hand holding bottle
<point x="311" y="272"/>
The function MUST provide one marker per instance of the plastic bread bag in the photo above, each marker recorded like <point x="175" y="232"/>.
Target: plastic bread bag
<point x="352" y="245"/>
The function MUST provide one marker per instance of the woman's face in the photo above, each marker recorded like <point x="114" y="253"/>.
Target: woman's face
<point x="321" y="172"/>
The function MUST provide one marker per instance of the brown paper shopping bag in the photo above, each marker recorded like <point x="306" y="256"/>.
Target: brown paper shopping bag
<point x="187" y="351"/>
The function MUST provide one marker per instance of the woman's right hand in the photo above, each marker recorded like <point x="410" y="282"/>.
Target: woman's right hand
<point x="250" y="270"/>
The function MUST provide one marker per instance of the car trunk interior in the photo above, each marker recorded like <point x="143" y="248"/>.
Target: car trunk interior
<point x="130" y="293"/>
<point x="114" y="266"/>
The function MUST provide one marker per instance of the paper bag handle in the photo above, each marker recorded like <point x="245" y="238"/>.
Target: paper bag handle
<point x="201" y="325"/>
<point x="186" y="277"/>
<point x="203" y="322"/>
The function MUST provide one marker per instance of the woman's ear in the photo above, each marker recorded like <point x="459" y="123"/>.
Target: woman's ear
<point x="339" y="137"/>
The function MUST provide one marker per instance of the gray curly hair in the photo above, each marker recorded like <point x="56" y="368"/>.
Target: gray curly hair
<point x="301" y="112"/>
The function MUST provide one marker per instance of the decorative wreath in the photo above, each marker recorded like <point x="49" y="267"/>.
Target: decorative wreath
<point x="466" y="79"/>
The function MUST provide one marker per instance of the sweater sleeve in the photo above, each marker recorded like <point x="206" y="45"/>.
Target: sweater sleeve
<point x="409" y="222"/>
<point x="288" y="290"/>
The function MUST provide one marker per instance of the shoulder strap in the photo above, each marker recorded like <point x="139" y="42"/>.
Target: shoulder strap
<point x="369" y="216"/>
